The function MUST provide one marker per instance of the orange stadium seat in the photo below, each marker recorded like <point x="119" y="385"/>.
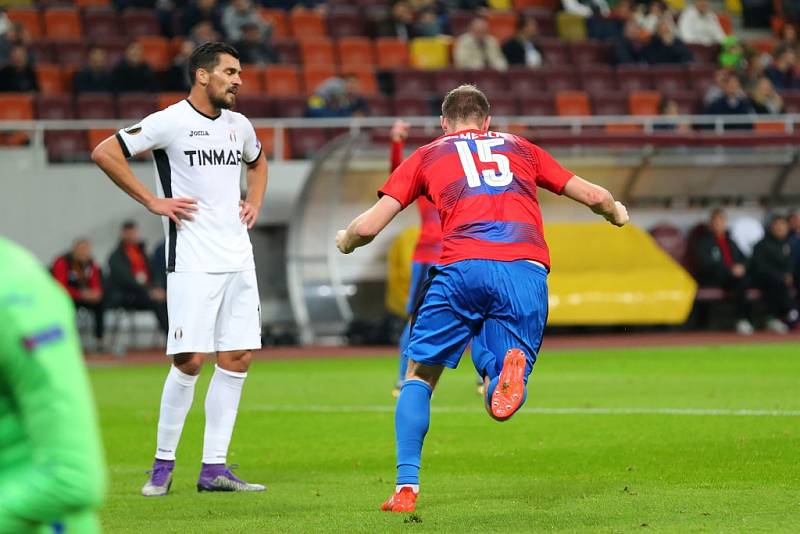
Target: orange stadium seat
<point x="502" y="24"/>
<point x="315" y="75"/>
<point x="572" y="103"/>
<point x="392" y="53"/>
<point x="277" y="19"/>
<point x="317" y="52"/>
<point x="644" y="102"/>
<point x="726" y="23"/>
<point x="355" y="52"/>
<point x="16" y="107"/>
<point x="307" y="24"/>
<point x="252" y="80"/>
<point x="770" y="127"/>
<point x="366" y="79"/>
<point x="156" y="51"/>
<point x="30" y="20"/>
<point x="281" y="80"/>
<point x="51" y="78"/>
<point x="267" y="138"/>
<point x="97" y="136"/>
<point x="62" y="23"/>
<point x="164" y="100"/>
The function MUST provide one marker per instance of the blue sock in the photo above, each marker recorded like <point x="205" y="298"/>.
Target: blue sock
<point x="404" y="337"/>
<point x="411" y="419"/>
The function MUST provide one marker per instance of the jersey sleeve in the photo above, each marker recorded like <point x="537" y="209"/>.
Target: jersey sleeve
<point x="155" y="131"/>
<point x="549" y="172"/>
<point x="405" y="183"/>
<point x="42" y="372"/>
<point x="252" y="146"/>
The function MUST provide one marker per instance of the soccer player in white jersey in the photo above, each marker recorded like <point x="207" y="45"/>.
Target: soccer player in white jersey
<point x="199" y="146"/>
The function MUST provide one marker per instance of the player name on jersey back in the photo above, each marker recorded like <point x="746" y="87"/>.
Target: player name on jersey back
<point x="200" y="157"/>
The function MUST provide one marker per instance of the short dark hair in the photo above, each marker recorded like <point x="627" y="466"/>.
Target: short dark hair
<point x="465" y="103"/>
<point x="206" y="56"/>
<point x="129" y="224"/>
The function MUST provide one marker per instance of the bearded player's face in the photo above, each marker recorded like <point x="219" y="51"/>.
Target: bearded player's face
<point x="224" y="82"/>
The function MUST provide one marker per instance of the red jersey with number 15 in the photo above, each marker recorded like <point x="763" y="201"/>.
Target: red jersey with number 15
<point x="483" y="185"/>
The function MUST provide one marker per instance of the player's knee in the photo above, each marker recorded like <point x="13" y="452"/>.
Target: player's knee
<point x="426" y="373"/>
<point x="189" y="363"/>
<point x="238" y="361"/>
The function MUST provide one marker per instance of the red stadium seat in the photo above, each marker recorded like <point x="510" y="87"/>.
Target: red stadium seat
<point x="612" y="103"/>
<point x="537" y="104"/>
<point x="42" y="51"/>
<point x="92" y="3"/>
<point x="267" y="138"/>
<point x="671" y="240"/>
<point x="791" y="101"/>
<point x="30" y="20"/>
<point x="491" y="82"/>
<point x="572" y="103"/>
<point x="306" y="142"/>
<point x="54" y="107"/>
<point x="52" y="79"/>
<point x="413" y="82"/>
<point x="101" y="23"/>
<point x="524" y="80"/>
<point x="644" y="102"/>
<point x="114" y="51"/>
<point x="252" y="80"/>
<point x="549" y="5"/>
<point x="165" y="100"/>
<point x="254" y="106"/>
<point x="670" y="78"/>
<point x="345" y="22"/>
<point x="597" y="79"/>
<point x="62" y="23"/>
<point x="290" y="106"/>
<point x="355" y="52"/>
<point x="156" y="51"/>
<point x="307" y="24"/>
<point x="634" y="78"/>
<point x="313" y="76"/>
<point x="317" y="52"/>
<point x="502" y="24"/>
<point x="701" y="77"/>
<point x="96" y="106"/>
<point x="504" y="106"/>
<point x="140" y="22"/>
<point x="380" y="106"/>
<point x="66" y="145"/>
<point x="688" y="101"/>
<point x="288" y="50"/>
<point x="277" y="19"/>
<point x="561" y="78"/>
<point x="282" y="80"/>
<point x="71" y="53"/>
<point x="410" y="104"/>
<point x="704" y="54"/>
<point x="555" y="51"/>
<point x="392" y="53"/>
<point x="546" y="22"/>
<point x="460" y="21"/>
<point x="136" y="106"/>
<point x="367" y="82"/>
<point x="590" y="53"/>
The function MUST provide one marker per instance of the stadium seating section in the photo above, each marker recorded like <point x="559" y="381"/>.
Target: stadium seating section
<point x="398" y="77"/>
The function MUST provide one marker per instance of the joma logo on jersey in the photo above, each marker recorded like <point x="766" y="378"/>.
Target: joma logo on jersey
<point x="214" y="157"/>
<point x="196" y="133"/>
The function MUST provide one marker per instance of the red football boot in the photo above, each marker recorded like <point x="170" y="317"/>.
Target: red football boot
<point x="510" y="390"/>
<point x="404" y="500"/>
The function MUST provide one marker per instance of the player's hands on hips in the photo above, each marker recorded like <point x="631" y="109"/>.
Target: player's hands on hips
<point x="619" y="217"/>
<point x="248" y="213"/>
<point x="341" y="242"/>
<point x="174" y="208"/>
<point x="399" y="131"/>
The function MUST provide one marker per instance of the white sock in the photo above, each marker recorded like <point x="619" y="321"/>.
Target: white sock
<point x="414" y="487"/>
<point x="176" y="399"/>
<point x="222" y="403"/>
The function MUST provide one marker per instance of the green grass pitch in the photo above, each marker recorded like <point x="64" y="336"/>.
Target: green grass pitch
<point x="703" y="439"/>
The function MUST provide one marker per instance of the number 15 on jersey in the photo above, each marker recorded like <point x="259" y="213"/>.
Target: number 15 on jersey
<point x="500" y="178"/>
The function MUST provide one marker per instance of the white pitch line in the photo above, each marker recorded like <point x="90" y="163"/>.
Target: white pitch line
<point x="534" y="410"/>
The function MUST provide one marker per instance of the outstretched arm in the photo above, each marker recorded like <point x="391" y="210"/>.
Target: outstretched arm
<point x="596" y="198"/>
<point x="109" y="157"/>
<point x="363" y="229"/>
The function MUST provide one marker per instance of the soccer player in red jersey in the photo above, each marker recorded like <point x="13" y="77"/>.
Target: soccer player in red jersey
<point x="491" y="284"/>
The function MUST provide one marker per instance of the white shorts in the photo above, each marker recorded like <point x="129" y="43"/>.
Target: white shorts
<point x="210" y="312"/>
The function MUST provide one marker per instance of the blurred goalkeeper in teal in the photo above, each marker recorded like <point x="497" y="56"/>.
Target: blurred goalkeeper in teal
<point x="52" y="477"/>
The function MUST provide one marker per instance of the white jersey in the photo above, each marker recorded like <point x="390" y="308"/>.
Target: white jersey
<point x="198" y="156"/>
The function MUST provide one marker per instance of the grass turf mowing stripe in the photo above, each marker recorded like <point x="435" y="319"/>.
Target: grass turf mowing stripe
<point x="544" y="411"/>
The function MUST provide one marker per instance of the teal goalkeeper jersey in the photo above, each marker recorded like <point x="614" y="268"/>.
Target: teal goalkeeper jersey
<point x="52" y="475"/>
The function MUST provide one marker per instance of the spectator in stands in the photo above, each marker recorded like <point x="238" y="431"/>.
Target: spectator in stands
<point x="95" y="77"/>
<point x="794" y="243"/>
<point x="461" y="5"/>
<point x="203" y="33"/>
<point x="337" y="97"/>
<point x="521" y="49"/>
<point x="733" y="101"/>
<point x="715" y="90"/>
<point x="773" y="273"/>
<point x="789" y="39"/>
<point x="668" y="108"/>
<point x="650" y="16"/>
<point x="18" y="75"/>
<point x="718" y="262"/>
<point x="81" y="277"/>
<point x="238" y="14"/>
<point x="5" y="22"/>
<point x="630" y="47"/>
<point x="586" y="8"/>
<point x="601" y="23"/>
<point x="698" y="24"/>
<point x="782" y="71"/>
<point x="255" y="48"/>
<point x="130" y="280"/>
<point x="399" y="24"/>
<point x="428" y="23"/>
<point x="13" y="36"/>
<point x="132" y="74"/>
<point x="764" y="98"/>
<point x="177" y="76"/>
<point x="200" y="11"/>
<point x="665" y="47"/>
<point x="478" y="49"/>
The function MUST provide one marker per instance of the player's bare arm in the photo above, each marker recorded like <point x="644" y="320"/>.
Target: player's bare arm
<point x="109" y="157"/>
<point x="257" y="175"/>
<point x="363" y="229"/>
<point x="598" y="199"/>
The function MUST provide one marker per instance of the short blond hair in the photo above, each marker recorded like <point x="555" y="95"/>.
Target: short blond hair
<point x="465" y="103"/>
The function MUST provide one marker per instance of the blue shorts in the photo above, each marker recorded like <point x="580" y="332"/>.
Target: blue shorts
<point x="419" y="273"/>
<point x="498" y="305"/>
